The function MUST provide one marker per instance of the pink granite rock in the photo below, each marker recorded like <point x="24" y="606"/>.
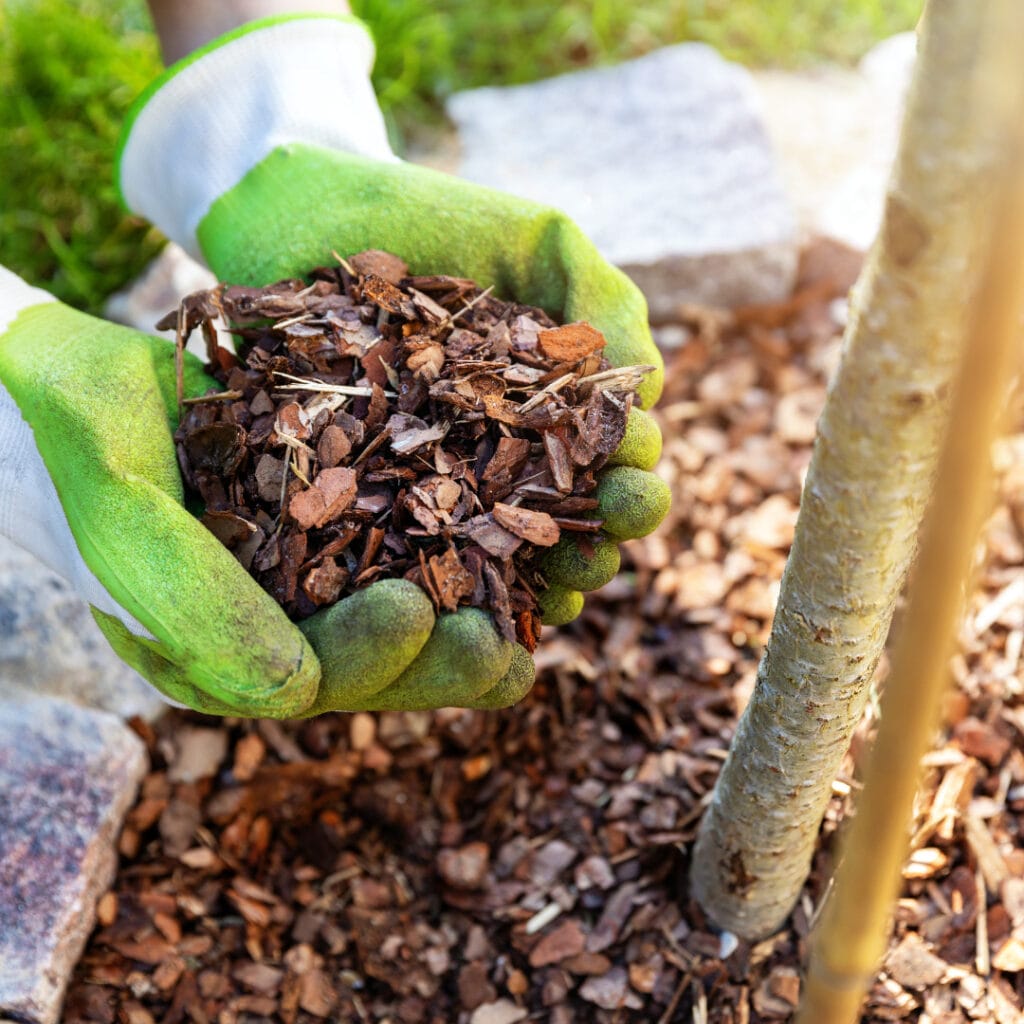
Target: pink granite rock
<point x="68" y="775"/>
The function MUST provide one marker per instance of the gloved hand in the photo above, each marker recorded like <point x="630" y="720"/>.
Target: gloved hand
<point x="89" y="483"/>
<point x="266" y="151"/>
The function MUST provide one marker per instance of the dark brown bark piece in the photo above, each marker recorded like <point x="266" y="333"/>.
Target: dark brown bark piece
<point x="269" y="475"/>
<point x="230" y="529"/>
<point x="217" y="448"/>
<point x="500" y="606"/>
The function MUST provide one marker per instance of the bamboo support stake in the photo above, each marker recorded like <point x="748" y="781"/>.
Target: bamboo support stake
<point x="850" y="940"/>
<point x="867" y="486"/>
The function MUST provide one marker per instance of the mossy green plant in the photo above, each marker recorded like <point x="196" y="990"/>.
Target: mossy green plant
<point x="68" y="73"/>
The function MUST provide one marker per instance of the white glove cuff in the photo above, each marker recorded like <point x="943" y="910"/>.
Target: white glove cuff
<point x="217" y="115"/>
<point x="16" y="295"/>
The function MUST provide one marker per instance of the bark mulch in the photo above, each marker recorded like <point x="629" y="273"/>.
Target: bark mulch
<point x="375" y="425"/>
<point x="530" y="864"/>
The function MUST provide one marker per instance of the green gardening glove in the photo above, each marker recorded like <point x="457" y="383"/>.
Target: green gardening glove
<point x="89" y="482"/>
<point x="287" y="162"/>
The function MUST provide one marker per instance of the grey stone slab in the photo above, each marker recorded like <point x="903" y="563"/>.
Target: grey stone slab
<point x="836" y="131"/>
<point x="663" y="161"/>
<point x="68" y="775"/>
<point x="49" y="643"/>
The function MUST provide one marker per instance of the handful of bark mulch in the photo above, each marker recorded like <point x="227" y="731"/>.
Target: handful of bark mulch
<point x="374" y="425"/>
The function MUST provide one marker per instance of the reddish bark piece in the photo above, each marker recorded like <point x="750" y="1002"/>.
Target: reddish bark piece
<point x="382" y="264"/>
<point x="332" y="492"/>
<point x="293" y="554"/>
<point x="508" y="459"/>
<point x="475" y="987"/>
<point x="588" y="964"/>
<point x="536" y="527"/>
<point x="387" y="296"/>
<point x="323" y="584"/>
<point x="981" y="740"/>
<point x="377" y="412"/>
<point x="334" y="445"/>
<point x="528" y="629"/>
<point x="466" y="867"/>
<point x="565" y="941"/>
<point x="293" y="421"/>
<point x="379" y="360"/>
<point x="570" y="343"/>
<point x="450" y="578"/>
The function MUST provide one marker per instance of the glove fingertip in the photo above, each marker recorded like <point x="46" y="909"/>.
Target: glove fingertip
<point x="464" y="658"/>
<point x="632" y="502"/>
<point x="567" y="565"/>
<point x="641" y="445"/>
<point x="367" y="641"/>
<point x="515" y="684"/>
<point x="559" y="605"/>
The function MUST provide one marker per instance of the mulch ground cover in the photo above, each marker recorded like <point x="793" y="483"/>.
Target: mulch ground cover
<point x="530" y="864"/>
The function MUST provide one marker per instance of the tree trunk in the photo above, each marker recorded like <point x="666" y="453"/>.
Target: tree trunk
<point x="848" y="942"/>
<point x="866" y="490"/>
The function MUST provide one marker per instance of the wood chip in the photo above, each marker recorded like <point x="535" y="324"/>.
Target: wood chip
<point x="570" y="343"/>
<point x="535" y="527"/>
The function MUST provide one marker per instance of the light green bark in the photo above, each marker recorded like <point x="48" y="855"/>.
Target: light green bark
<point x="865" y="494"/>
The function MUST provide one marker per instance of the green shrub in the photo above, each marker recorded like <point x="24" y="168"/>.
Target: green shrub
<point x="68" y="73"/>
